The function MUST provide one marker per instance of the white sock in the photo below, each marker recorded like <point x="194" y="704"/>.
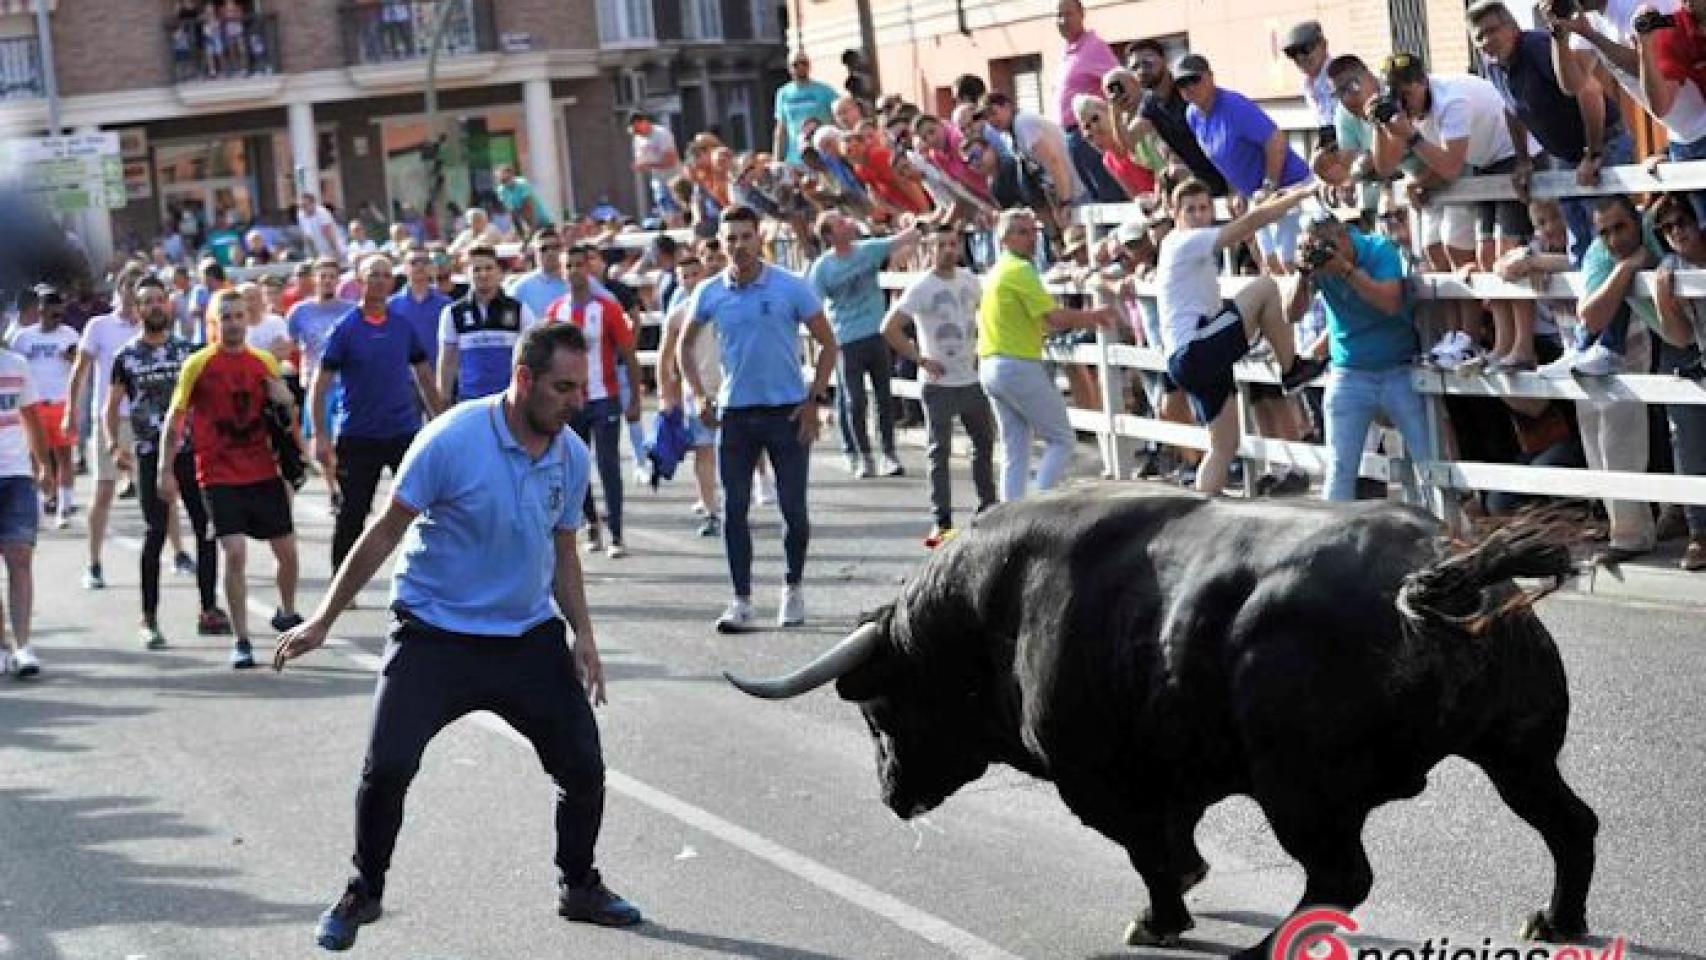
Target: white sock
<point x="65" y="494"/>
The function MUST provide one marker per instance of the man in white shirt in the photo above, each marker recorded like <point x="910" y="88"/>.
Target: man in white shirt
<point x="319" y="230"/>
<point x="942" y="306"/>
<point x="655" y="156"/>
<point x="50" y="349"/>
<point x="21" y="437"/>
<point x="1203" y="335"/>
<point x="102" y="339"/>
<point x="1306" y="47"/>
<point x="1042" y="144"/>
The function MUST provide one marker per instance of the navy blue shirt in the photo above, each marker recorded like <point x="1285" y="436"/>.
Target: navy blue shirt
<point x="1168" y="117"/>
<point x="373" y="362"/>
<point x="1529" y="84"/>
<point x="422" y="315"/>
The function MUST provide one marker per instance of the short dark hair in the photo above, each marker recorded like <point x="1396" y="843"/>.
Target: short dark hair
<point x="969" y="88"/>
<point x="740" y="213"/>
<point x="1617" y="201"/>
<point x="1677" y="203"/>
<point x="539" y="345"/>
<point x="995" y="98"/>
<point x="637" y="116"/>
<point x="547" y="232"/>
<point x="214" y="270"/>
<point x="1148" y="43"/>
<point x="151" y="280"/>
<point x="1345" y="63"/>
<point x="1482" y="9"/>
<point x="664" y="243"/>
<point x="482" y="250"/>
<point x="580" y="249"/>
<point x="1191" y="188"/>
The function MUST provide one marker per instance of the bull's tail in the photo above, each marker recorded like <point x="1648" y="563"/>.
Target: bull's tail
<point x="1458" y="593"/>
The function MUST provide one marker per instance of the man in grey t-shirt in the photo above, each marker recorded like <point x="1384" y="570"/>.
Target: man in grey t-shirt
<point x="942" y="305"/>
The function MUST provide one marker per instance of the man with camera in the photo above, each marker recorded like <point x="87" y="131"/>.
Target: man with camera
<point x="1670" y="51"/>
<point x="1348" y="160"/>
<point x="1360" y="280"/>
<point x="1587" y="132"/>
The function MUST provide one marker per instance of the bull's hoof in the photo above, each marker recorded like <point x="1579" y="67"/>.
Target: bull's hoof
<point x="1142" y="933"/>
<point x="1541" y="927"/>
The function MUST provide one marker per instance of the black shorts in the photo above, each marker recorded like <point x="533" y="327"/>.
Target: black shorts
<point x="1203" y="367"/>
<point x="259" y="511"/>
<point x="1509" y="216"/>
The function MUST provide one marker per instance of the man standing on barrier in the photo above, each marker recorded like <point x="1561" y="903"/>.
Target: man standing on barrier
<point x="488" y="501"/>
<point x="1204" y="335"/>
<point x="1360" y="279"/>
<point x="757" y="310"/>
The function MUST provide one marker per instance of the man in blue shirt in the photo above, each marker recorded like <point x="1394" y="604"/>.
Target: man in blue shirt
<point x="486" y="507"/>
<point x="1360" y="279"/>
<point x="420" y="302"/>
<point x="757" y="310"/>
<point x="845" y="279"/>
<point x="477" y="334"/>
<point x="1246" y="146"/>
<point x="546" y="283"/>
<point x="372" y="352"/>
<point x="797" y="101"/>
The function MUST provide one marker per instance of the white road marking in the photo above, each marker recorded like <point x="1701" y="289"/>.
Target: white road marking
<point x="955" y="941"/>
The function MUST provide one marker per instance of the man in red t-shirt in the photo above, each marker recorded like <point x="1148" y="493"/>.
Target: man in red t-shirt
<point x="1679" y="50"/>
<point x="222" y="394"/>
<point x="609" y="340"/>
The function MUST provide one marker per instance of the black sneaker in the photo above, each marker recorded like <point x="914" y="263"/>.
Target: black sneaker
<point x="1303" y="370"/>
<point x="129" y="491"/>
<point x="1292" y="483"/>
<point x="282" y="621"/>
<point x="341" y="921"/>
<point x="184" y="564"/>
<point x="594" y="903"/>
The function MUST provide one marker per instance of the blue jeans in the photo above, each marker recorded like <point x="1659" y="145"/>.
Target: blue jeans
<point x="1687" y="432"/>
<point x="745" y="434"/>
<point x="1692" y="151"/>
<point x="600" y="424"/>
<point x="865" y="357"/>
<point x="1578" y="211"/>
<point x="1353" y="399"/>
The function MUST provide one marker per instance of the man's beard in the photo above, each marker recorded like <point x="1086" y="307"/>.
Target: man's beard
<point x="544" y="426"/>
<point x="156" y="323"/>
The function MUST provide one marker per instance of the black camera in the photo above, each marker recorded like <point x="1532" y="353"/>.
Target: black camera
<point x="1563" y="9"/>
<point x="1316" y="254"/>
<point x="1385" y="106"/>
<point x="1651" y="20"/>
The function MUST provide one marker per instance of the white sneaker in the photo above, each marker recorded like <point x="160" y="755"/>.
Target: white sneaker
<point x="1563" y="367"/>
<point x="643" y="475"/>
<point x="616" y="551"/>
<point x="853" y="463"/>
<point x="700" y="510"/>
<point x="1599" y="361"/>
<point x="25" y="663"/>
<point x="888" y="466"/>
<point x="737" y="618"/>
<point x="792" y="613"/>
<point x="764" y="491"/>
<point x="594" y="540"/>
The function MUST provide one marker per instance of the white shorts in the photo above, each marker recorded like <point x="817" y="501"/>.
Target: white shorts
<point x="1451" y="224"/>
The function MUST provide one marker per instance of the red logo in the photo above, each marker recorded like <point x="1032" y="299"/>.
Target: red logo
<point x="1313" y="935"/>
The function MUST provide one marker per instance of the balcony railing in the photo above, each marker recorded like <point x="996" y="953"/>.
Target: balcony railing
<point x="240" y="49"/>
<point x="20" y="69"/>
<point x="388" y="31"/>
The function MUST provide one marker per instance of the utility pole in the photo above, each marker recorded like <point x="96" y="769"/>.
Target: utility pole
<point x="868" y="39"/>
<point x="435" y="172"/>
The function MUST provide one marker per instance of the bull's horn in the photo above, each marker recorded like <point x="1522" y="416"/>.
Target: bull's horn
<point x="832" y="663"/>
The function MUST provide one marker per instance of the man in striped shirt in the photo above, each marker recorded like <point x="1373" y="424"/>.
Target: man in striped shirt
<point x="609" y="340"/>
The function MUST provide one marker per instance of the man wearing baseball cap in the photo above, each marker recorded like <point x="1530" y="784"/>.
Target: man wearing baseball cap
<point x="1306" y="47"/>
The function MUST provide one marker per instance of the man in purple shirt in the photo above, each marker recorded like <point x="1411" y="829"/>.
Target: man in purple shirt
<point x="1247" y="147"/>
<point x="1087" y="59"/>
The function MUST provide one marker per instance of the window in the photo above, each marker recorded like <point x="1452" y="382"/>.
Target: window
<point x="737" y="115"/>
<point x="625" y="21"/>
<point x="766" y="21"/>
<point x="20" y="59"/>
<point x="701" y="19"/>
<point x="1021" y="78"/>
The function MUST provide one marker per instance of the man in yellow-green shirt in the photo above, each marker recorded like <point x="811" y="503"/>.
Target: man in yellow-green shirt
<point x="1017" y="313"/>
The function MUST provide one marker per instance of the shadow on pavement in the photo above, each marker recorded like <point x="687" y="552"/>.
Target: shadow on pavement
<point x="93" y="885"/>
<point x="730" y="946"/>
<point x="31" y="722"/>
<point x="176" y="673"/>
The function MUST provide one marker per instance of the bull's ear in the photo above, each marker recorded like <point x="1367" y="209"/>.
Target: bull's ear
<point x="871" y="679"/>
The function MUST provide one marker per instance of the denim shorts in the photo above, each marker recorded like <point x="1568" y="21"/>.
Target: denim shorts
<point x="20" y="511"/>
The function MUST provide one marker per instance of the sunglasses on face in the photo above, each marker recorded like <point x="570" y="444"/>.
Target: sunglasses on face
<point x="1347" y="88"/>
<point x="1185" y="83"/>
<point x="1394" y="217"/>
<point x="1298" y="53"/>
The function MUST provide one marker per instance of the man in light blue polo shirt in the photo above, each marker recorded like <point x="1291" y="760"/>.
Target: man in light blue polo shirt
<point x="763" y="406"/>
<point x="845" y="278"/>
<point x="486" y="506"/>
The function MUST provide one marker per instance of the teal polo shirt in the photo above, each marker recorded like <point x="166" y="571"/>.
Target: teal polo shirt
<point x="479" y="557"/>
<point x="849" y="289"/>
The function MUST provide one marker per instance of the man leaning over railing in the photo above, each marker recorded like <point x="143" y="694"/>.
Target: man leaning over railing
<point x="1360" y="280"/>
<point x="1682" y="330"/>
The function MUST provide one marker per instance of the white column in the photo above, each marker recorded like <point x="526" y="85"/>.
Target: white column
<point x="304" y="150"/>
<point x="543" y="170"/>
<point x="95" y="227"/>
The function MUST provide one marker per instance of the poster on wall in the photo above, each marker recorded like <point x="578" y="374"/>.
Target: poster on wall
<point x="133" y="143"/>
<point x="138" y="179"/>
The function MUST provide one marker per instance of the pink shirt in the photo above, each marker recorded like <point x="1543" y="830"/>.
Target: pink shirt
<point x="1088" y="59"/>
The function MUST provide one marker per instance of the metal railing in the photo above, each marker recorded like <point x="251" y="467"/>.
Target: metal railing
<point x="390" y="31"/>
<point x="20" y="69"/>
<point x="202" y="50"/>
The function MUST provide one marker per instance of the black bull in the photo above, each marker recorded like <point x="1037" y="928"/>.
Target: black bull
<point x="1154" y="655"/>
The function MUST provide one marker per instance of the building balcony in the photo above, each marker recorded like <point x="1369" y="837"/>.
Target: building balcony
<point x="20" y="70"/>
<point x="238" y="65"/>
<point x="386" y="43"/>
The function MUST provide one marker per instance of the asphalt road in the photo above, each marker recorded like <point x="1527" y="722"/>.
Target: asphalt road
<point x="157" y="805"/>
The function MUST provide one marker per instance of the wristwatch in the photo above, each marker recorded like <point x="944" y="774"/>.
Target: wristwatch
<point x="1269" y="184"/>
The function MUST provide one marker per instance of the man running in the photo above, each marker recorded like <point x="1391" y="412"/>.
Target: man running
<point x="21" y="437"/>
<point x="763" y="406"/>
<point x="222" y="394"/>
<point x="380" y="359"/>
<point x="50" y="348"/>
<point x="610" y="340"/>
<point x="102" y="339"/>
<point x="477" y="334"/>
<point x="489" y="499"/>
<point x="942" y="305"/>
<point x="145" y="373"/>
<point x="690" y="272"/>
